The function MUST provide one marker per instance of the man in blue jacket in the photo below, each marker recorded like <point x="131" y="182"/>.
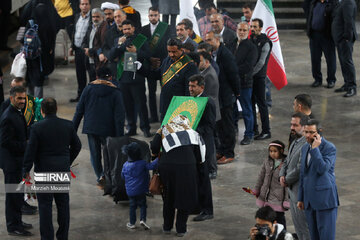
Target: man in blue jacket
<point x="317" y="191"/>
<point x="102" y="107"/>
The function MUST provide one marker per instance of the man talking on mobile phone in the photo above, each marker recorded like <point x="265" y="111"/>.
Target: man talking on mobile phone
<point x="317" y="191"/>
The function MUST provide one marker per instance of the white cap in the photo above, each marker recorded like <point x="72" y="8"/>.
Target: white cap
<point x="109" y="5"/>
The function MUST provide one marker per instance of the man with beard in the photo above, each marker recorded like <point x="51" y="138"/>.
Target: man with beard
<point x="206" y="130"/>
<point x="157" y="34"/>
<point x="174" y="76"/>
<point x="97" y="17"/>
<point x="211" y="90"/>
<point x="133" y="83"/>
<point x="13" y="141"/>
<point x="109" y="9"/>
<point x="318" y="194"/>
<point x="302" y="103"/>
<point x="229" y="87"/>
<point x="82" y="24"/>
<point x="183" y="35"/>
<point x="264" y="46"/>
<point x="245" y="55"/>
<point x="290" y="172"/>
<point x="111" y="35"/>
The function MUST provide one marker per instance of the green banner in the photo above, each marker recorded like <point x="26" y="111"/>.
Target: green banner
<point x="137" y="42"/>
<point x="191" y="107"/>
<point x="157" y="35"/>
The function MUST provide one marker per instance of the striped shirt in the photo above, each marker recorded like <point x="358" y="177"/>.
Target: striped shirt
<point x="81" y="27"/>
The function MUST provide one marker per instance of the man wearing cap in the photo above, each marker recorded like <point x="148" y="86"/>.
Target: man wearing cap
<point x="102" y="107"/>
<point x="99" y="39"/>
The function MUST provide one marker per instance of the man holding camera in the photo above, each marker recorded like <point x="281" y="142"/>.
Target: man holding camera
<point x="266" y="227"/>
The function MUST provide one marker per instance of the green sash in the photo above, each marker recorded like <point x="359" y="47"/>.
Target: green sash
<point x="175" y="68"/>
<point x="157" y="35"/>
<point x="29" y="109"/>
<point x="137" y="42"/>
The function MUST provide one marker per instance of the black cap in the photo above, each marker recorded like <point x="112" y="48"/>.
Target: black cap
<point x="103" y="73"/>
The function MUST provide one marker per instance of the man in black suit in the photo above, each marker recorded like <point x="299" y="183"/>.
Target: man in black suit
<point x="158" y="54"/>
<point x="133" y="83"/>
<point x="52" y="147"/>
<point x="229" y="87"/>
<point x="344" y="33"/>
<point x="183" y="34"/>
<point x="319" y="33"/>
<point x="5" y="9"/>
<point x="174" y="76"/>
<point x="13" y="138"/>
<point x="206" y="129"/>
<point x="217" y="24"/>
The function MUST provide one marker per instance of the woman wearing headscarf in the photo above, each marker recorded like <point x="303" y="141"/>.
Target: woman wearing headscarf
<point x="182" y="148"/>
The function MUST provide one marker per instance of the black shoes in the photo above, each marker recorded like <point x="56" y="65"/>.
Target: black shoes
<point x="147" y="134"/>
<point x="73" y="100"/>
<point x="20" y="233"/>
<point x="202" y="217"/>
<point x="212" y="175"/>
<point x="330" y="85"/>
<point x="316" y="84"/>
<point x="246" y="141"/>
<point x="153" y="120"/>
<point x="26" y="226"/>
<point x="350" y="92"/>
<point x="342" y="89"/>
<point x="263" y="136"/>
<point x="28" y="210"/>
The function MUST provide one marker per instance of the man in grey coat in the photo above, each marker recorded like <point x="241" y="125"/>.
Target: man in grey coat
<point x="290" y="174"/>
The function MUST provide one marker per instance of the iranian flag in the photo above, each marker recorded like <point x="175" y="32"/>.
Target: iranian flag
<point x="276" y="69"/>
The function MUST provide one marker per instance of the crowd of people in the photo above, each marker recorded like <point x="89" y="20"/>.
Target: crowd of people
<point x="227" y="63"/>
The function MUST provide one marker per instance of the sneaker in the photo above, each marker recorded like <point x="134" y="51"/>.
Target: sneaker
<point x="101" y="183"/>
<point x="180" y="234"/>
<point x="144" y="225"/>
<point x="167" y="232"/>
<point x="130" y="226"/>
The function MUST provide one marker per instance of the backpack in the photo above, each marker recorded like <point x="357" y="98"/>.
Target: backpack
<point x="32" y="43"/>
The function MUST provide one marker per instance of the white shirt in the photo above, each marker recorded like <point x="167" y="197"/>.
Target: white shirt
<point x="153" y="27"/>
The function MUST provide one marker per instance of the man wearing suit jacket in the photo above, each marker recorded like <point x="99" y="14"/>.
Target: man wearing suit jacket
<point x="53" y="146"/>
<point x="183" y="35"/>
<point x="13" y="138"/>
<point x="217" y="24"/>
<point x="206" y="129"/>
<point x="317" y="190"/>
<point x="229" y="87"/>
<point x="158" y="54"/>
<point x="175" y="71"/>
<point x="344" y="33"/>
<point x="82" y="22"/>
<point x="290" y="173"/>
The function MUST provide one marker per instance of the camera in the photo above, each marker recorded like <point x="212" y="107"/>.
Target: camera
<point x="263" y="232"/>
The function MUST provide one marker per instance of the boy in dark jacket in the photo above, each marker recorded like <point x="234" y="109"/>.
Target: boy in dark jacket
<point x="135" y="172"/>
